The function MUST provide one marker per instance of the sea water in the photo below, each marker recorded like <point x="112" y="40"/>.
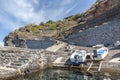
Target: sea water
<point x="55" y="74"/>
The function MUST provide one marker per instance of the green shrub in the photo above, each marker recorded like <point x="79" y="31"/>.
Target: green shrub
<point x="42" y="23"/>
<point x="77" y="16"/>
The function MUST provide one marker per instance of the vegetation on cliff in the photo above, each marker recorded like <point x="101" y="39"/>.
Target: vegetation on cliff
<point x="49" y="28"/>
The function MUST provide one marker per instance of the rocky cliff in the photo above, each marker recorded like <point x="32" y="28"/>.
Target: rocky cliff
<point x="101" y="12"/>
<point x="100" y="7"/>
<point x="101" y="26"/>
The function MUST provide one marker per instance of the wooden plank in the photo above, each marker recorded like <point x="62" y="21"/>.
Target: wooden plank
<point x="100" y="66"/>
<point x="90" y="66"/>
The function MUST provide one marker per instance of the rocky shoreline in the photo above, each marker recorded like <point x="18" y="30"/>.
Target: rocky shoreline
<point x="107" y="68"/>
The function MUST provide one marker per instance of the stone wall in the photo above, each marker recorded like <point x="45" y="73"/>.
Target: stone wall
<point x="111" y="67"/>
<point x="26" y="60"/>
<point x="20" y="61"/>
<point x="107" y="33"/>
<point x="39" y="44"/>
<point x="11" y="57"/>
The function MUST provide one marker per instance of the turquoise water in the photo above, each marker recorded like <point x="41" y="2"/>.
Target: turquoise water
<point x="51" y="74"/>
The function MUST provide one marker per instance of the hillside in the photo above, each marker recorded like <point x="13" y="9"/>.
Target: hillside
<point x="53" y="29"/>
<point x="50" y="28"/>
<point x="101" y="12"/>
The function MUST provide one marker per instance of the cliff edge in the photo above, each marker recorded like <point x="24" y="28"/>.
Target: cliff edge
<point x="102" y="12"/>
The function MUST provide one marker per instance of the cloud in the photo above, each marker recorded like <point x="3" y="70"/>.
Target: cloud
<point x="1" y="44"/>
<point x="66" y="2"/>
<point x="36" y="2"/>
<point x="35" y="11"/>
<point x="6" y="22"/>
<point x="70" y="9"/>
<point x="23" y="10"/>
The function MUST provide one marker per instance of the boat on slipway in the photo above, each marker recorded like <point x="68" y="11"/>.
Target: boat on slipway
<point x="101" y="53"/>
<point x="78" y="57"/>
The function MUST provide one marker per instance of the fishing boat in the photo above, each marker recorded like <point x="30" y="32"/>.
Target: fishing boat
<point x="101" y="53"/>
<point x="78" y="57"/>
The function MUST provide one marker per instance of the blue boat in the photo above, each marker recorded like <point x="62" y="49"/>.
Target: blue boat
<point x="101" y="53"/>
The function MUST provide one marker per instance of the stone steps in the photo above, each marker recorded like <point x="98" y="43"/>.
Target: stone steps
<point x="12" y="66"/>
<point x="23" y="59"/>
<point x="16" y="64"/>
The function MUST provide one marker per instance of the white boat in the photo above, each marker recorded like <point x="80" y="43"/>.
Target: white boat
<point x="78" y="57"/>
<point x="101" y="53"/>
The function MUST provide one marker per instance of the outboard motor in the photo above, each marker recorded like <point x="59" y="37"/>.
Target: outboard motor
<point x="95" y="53"/>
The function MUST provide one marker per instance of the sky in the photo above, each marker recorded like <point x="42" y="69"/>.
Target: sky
<point x="17" y="13"/>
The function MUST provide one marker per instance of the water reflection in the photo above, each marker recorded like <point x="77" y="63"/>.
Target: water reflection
<point x="63" y="75"/>
<point x="51" y="74"/>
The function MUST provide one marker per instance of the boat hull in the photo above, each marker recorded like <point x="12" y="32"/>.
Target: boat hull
<point x="74" y="63"/>
<point x="78" y="58"/>
<point x="102" y="52"/>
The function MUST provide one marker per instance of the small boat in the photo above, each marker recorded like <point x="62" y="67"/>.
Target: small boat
<point x="78" y="57"/>
<point x="101" y="53"/>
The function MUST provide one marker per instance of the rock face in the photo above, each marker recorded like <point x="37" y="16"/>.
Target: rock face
<point x="15" y="42"/>
<point x="101" y="27"/>
<point x="100" y="7"/>
<point x="102" y="12"/>
<point x="107" y="34"/>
